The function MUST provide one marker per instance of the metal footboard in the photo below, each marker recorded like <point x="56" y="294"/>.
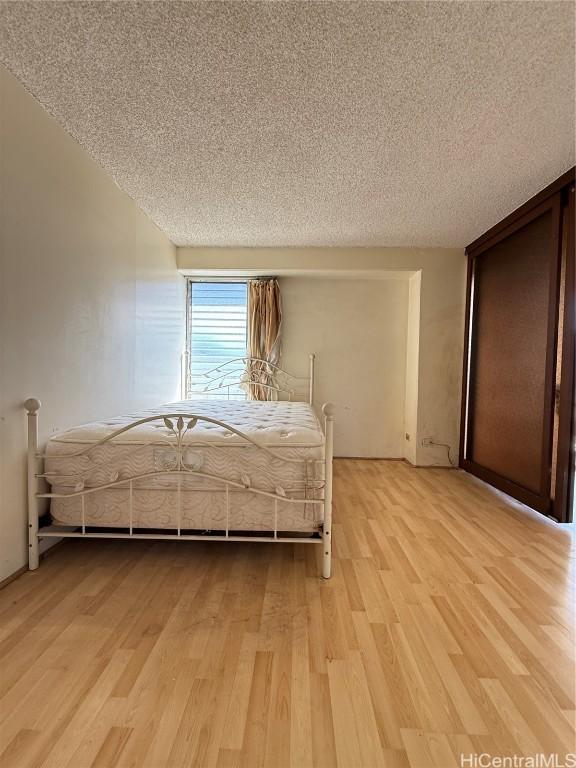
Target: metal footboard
<point x="178" y="429"/>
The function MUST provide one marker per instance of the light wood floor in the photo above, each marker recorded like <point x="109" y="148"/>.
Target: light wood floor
<point x="447" y="628"/>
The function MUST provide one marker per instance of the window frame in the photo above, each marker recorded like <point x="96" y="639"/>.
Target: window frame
<point x="190" y="280"/>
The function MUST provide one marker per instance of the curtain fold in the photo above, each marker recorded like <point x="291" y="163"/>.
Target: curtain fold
<point x="264" y="336"/>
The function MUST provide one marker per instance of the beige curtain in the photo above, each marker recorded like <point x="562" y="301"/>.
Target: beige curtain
<point x="264" y="335"/>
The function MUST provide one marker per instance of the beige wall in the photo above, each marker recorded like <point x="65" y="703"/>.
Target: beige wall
<point x="440" y="350"/>
<point x="412" y="362"/>
<point x="434" y="352"/>
<point x="357" y="329"/>
<point x="90" y="302"/>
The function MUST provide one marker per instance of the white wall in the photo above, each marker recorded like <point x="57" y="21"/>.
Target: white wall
<point x="357" y="329"/>
<point x="435" y="366"/>
<point x="91" y="305"/>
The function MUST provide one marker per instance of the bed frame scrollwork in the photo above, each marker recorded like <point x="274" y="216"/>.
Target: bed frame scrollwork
<point x="249" y="373"/>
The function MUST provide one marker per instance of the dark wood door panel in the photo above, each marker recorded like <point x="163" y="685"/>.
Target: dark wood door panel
<point x="512" y="281"/>
<point x="565" y="460"/>
<point x="510" y="373"/>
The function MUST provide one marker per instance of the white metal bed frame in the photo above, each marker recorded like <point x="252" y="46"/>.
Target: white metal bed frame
<point x="179" y="425"/>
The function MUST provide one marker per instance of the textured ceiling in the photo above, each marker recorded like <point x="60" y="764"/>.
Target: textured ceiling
<point x="309" y="123"/>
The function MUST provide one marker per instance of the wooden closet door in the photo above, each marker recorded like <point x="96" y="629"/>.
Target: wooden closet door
<point x="565" y="459"/>
<point x="511" y="355"/>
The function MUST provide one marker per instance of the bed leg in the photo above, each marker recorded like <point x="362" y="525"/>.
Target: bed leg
<point x="328" y="411"/>
<point x="326" y="554"/>
<point x="32" y="406"/>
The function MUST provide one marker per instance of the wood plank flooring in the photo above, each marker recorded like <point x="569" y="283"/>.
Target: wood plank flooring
<point x="447" y="629"/>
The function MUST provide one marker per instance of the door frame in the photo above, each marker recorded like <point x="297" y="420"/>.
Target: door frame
<point x="553" y="198"/>
<point x="565" y="466"/>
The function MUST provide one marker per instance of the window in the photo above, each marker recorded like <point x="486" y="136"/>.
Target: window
<point x="217" y="327"/>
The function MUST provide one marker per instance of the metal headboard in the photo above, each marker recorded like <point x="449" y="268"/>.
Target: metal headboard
<point x="245" y="372"/>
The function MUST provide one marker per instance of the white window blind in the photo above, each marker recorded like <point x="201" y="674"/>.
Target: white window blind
<point x="216" y="330"/>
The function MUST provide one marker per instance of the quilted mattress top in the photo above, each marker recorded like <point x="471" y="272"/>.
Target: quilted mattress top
<point x="275" y="424"/>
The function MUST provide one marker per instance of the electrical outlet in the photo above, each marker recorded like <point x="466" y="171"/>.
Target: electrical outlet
<point x="426" y="442"/>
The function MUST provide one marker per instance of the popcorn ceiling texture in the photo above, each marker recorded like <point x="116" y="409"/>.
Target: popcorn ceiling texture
<point x="309" y="123"/>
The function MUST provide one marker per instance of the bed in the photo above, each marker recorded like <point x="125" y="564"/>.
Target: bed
<point x="209" y="469"/>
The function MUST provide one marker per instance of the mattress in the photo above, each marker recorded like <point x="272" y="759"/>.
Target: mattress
<point x="288" y="458"/>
